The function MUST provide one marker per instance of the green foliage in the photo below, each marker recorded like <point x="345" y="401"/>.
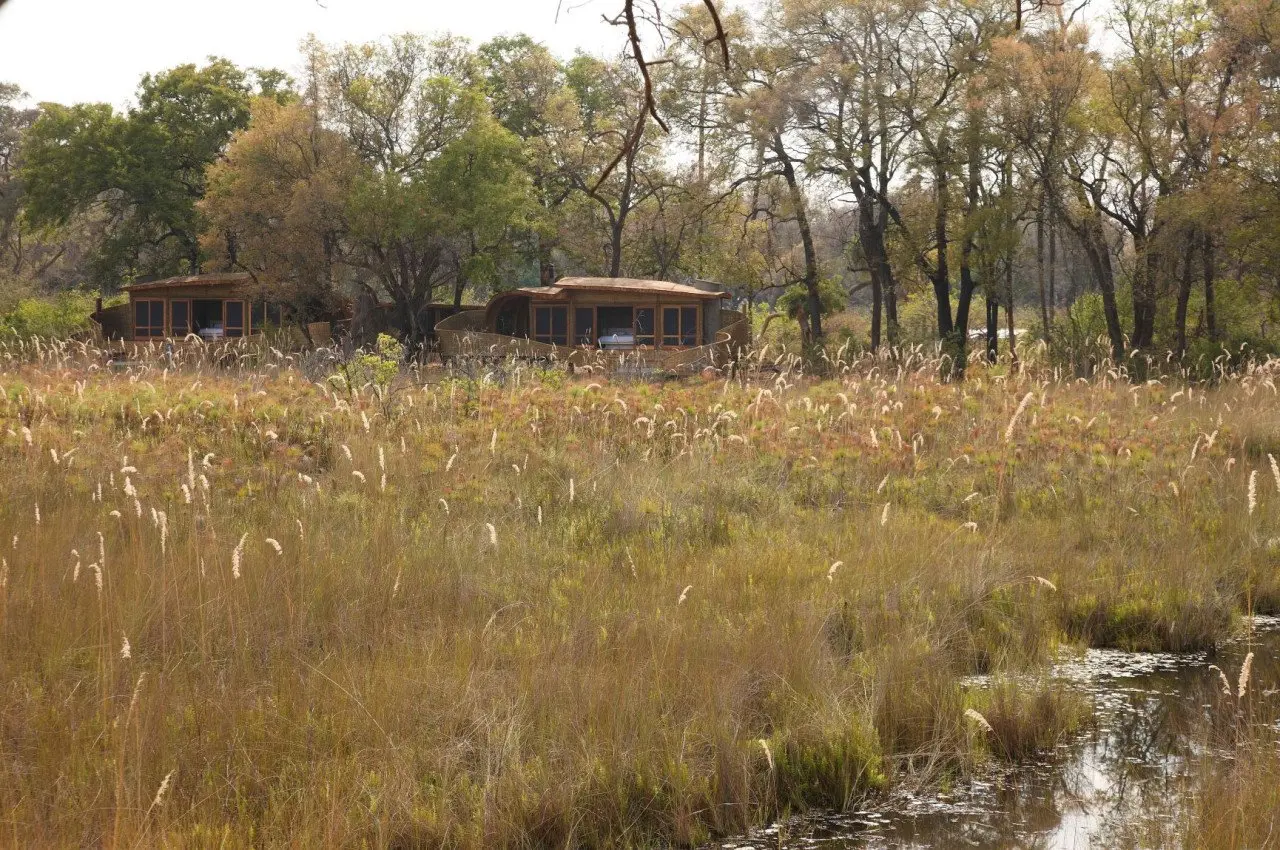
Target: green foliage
<point x="282" y="188"/>
<point x="831" y="297"/>
<point x="57" y="317"/>
<point x="1079" y="338"/>
<point x="143" y="169"/>
<point x="480" y="190"/>
<point x="918" y="321"/>
<point x="376" y="367"/>
<point x="441" y="194"/>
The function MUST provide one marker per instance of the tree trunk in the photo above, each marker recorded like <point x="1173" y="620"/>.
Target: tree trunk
<point x="618" y="221"/>
<point x="546" y="268"/>
<point x="615" y="249"/>
<point x="871" y="235"/>
<point x="1094" y="243"/>
<point x="1184" y="296"/>
<point x="942" y="273"/>
<point x="960" y="333"/>
<point x="993" y="325"/>
<point x="1144" y="285"/>
<point x="814" y="307"/>
<point x="233" y="250"/>
<point x="1013" y="339"/>
<point x="1053" y="267"/>
<point x="1044" y="295"/>
<point x="877" y="307"/>
<point x="1210" y="272"/>
<point x="973" y="172"/>
<point x="891" y="312"/>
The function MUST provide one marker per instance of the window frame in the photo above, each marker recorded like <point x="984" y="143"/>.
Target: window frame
<point x="677" y="339"/>
<point x="173" y="328"/>
<point x="649" y="339"/>
<point x="242" y="329"/>
<point x="149" y="330"/>
<point x="550" y="337"/>
<point x="260" y="324"/>
<point x="593" y="341"/>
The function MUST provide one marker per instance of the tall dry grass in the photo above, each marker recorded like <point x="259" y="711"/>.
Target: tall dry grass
<point x="527" y="610"/>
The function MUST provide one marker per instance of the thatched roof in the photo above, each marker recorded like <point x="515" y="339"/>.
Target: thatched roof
<point x="220" y="279"/>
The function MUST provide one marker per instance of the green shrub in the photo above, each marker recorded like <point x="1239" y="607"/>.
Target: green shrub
<point x="60" y="316"/>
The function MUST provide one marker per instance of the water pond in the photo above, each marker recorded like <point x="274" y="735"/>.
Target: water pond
<point x="1128" y="772"/>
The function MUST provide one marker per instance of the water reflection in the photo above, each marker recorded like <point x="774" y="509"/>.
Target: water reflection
<point x="1126" y="775"/>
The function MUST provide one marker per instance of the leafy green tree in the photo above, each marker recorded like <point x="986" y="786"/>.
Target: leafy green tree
<point x="143" y="170"/>
<point x="441" y="191"/>
<point x="606" y="151"/>
<point x="480" y="182"/>
<point x="399" y="104"/>
<point x="527" y="90"/>
<point x="13" y="123"/>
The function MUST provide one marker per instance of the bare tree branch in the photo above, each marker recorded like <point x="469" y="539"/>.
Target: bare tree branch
<point x="637" y="53"/>
<point x="649" y="108"/>
<point x="720" y="37"/>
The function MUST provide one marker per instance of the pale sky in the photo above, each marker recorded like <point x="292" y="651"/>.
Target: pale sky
<point x="69" y="51"/>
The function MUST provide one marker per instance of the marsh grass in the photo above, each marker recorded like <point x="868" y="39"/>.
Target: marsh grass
<point x="1028" y="719"/>
<point x="564" y="612"/>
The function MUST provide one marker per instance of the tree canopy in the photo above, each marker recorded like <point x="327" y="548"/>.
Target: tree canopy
<point x="850" y="153"/>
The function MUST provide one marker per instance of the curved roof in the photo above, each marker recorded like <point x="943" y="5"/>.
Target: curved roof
<point x="625" y="284"/>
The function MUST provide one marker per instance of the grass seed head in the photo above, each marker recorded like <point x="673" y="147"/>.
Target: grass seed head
<point x="1242" y="686"/>
<point x="976" y="716"/>
<point x="768" y="753"/>
<point x="237" y="554"/>
<point x="1222" y="679"/>
<point x="1017" y="414"/>
<point x="164" y="787"/>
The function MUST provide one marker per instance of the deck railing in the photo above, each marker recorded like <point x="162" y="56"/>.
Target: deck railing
<point x="463" y="335"/>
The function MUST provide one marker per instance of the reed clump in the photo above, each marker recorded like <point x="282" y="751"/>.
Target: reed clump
<point x="1027" y="718"/>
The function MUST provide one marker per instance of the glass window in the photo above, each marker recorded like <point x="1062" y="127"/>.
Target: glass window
<point x="264" y="317"/>
<point x="180" y="317"/>
<point x="689" y="326"/>
<point x="584" y="319"/>
<point x="148" y="319"/>
<point x="679" y="326"/>
<point x="275" y="315"/>
<point x="234" y="325"/>
<point x="551" y="325"/>
<point x="670" y="325"/>
<point x="644" y="326"/>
